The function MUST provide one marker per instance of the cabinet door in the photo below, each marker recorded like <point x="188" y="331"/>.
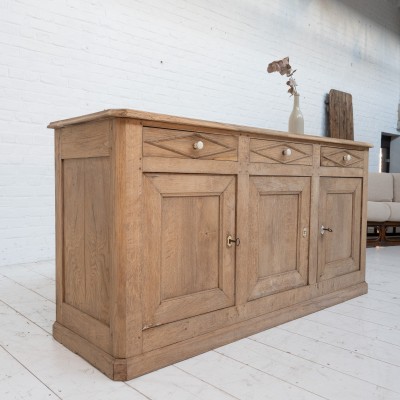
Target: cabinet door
<point x="340" y="211"/>
<point x="279" y="219"/>
<point x="188" y="269"/>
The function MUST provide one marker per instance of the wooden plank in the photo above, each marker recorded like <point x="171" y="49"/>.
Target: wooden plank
<point x="118" y="240"/>
<point x="86" y="140"/>
<point x="59" y="228"/>
<point x="364" y="209"/>
<point x="126" y="260"/>
<point x="340" y="115"/>
<point x="134" y="236"/>
<point x="97" y="238"/>
<point x="341" y="171"/>
<point x="74" y="233"/>
<point x="158" y="164"/>
<point x="88" y="327"/>
<point x="151" y="251"/>
<point x="242" y="224"/>
<point x="314" y="229"/>
<point x="279" y="169"/>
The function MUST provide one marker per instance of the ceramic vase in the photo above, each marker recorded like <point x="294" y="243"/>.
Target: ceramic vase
<point x="296" y="120"/>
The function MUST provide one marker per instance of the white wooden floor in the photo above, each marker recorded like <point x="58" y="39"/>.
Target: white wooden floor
<point x="349" y="351"/>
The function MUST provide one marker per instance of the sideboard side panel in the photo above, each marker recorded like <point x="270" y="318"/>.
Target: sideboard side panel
<point x="83" y="199"/>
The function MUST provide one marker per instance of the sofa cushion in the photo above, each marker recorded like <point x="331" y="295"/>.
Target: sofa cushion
<point x="380" y="186"/>
<point x="378" y="211"/>
<point x="394" y="211"/>
<point x="396" y="187"/>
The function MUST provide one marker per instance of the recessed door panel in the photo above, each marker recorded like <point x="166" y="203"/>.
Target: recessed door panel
<point x="189" y="270"/>
<point x="339" y="221"/>
<point x="279" y="228"/>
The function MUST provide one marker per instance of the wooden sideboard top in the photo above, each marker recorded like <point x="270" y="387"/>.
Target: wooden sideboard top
<point x="170" y="119"/>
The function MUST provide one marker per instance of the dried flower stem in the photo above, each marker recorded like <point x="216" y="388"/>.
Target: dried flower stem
<point x="284" y="68"/>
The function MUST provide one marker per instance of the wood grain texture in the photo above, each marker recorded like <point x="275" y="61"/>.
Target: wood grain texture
<point x="97" y="238"/>
<point x="187" y="269"/>
<point x="177" y="165"/>
<point x="134" y="233"/>
<point x="126" y="186"/>
<point x="59" y="225"/>
<point x="86" y="235"/>
<point x="242" y="218"/>
<point x="364" y="219"/>
<point x="314" y="218"/>
<point x="74" y="234"/>
<point x="88" y="140"/>
<point x="88" y="327"/>
<point x="341" y="115"/>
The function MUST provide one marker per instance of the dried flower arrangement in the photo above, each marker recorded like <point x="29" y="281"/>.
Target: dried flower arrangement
<point x="284" y="68"/>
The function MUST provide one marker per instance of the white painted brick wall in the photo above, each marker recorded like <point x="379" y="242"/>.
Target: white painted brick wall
<point x="195" y="58"/>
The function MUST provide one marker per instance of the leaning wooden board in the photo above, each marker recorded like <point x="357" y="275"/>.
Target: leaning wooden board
<point x="175" y="236"/>
<point x="340" y="110"/>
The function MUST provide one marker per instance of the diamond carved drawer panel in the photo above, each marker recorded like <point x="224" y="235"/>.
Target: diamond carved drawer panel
<point x="337" y="157"/>
<point x="275" y="152"/>
<point x="171" y="143"/>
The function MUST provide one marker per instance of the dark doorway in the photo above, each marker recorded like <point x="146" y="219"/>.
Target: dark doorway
<point x="385" y="153"/>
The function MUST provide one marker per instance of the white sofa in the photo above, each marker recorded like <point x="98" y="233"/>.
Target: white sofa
<point x="383" y="208"/>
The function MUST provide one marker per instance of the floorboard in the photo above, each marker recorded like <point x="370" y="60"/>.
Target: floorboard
<point x="349" y="351"/>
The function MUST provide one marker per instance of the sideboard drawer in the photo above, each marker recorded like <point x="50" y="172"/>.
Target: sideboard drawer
<point x="339" y="157"/>
<point x="172" y="143"/>
<point x="277" y="152"/>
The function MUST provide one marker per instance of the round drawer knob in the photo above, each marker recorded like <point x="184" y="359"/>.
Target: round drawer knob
<point x="198" y="145"/>
<point x="347" y="157"/>
<point x="287" y="152"/>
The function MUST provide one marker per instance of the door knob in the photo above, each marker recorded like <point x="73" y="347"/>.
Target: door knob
<point x="230" y="240"/>
<point x="198" y="145"/>
<point x="287" y="152"/>
<point x="323" y="229"/>
<point x="347" y="157"/>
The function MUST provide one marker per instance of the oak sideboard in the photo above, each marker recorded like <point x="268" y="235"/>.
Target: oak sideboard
<point x="175" y="236"/>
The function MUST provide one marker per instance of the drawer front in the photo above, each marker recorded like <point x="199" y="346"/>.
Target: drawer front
<point x="340" y="157"/>
<point x="276" y="152"/>
<point x="171" y="143"/>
